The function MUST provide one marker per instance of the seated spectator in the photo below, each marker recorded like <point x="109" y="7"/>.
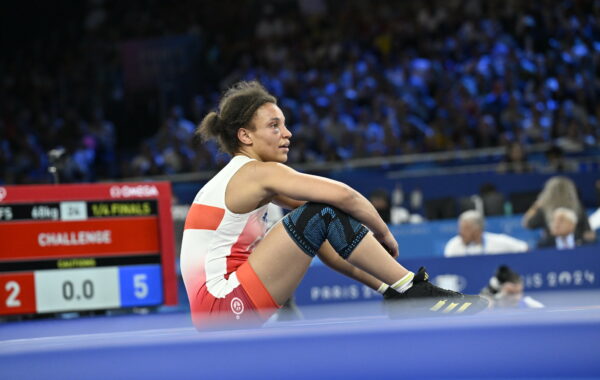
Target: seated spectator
<point x="380" y="199"/>
<point x="493" y="200"/>
<point x="558" y="192"/>
<point x="473" y="240"/>
<point x="562" y="230"/>
<point x="505" y="290"/>
<point x="515" y="160"/>
<point x="408" y="84"/>
<point x="594" y="219"/>
<point x="557" y="162"/>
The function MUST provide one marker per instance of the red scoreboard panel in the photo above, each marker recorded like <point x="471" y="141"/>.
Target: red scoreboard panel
<point x="70" y="248"/>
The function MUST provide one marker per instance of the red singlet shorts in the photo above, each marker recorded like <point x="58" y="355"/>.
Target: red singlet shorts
<point x="248" y="304"/>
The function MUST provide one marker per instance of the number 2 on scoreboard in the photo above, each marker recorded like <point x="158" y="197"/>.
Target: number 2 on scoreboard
<point x="13" y="289"/>
<point x="17" y="294"/>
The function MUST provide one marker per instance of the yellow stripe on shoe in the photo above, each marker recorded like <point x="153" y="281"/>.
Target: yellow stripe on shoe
<point x="438" y="305"/>
<point x="450" y="307"/>
<point x="464" y="307"/>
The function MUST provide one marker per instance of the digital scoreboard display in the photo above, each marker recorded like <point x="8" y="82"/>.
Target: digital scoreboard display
<point x="66" y="248"/>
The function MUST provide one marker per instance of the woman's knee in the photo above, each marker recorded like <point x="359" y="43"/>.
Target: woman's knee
<point x="312" y="223"/>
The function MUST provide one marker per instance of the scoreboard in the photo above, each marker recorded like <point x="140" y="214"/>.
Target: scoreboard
<point x="78" y="247"/>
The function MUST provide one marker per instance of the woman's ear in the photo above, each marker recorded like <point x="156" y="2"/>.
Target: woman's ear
<point x="244" y="136"/>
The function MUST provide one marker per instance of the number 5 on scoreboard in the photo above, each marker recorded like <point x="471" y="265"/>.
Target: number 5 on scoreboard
<point x="141" y="285"/>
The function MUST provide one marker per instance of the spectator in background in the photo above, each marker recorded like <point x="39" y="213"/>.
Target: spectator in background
<point x="505" y="290"/>
<point x="380" y="199"/>
<point x="594" y="219"/>
<point x="426" y="81"/>
<point x="562" y="230"/>
<point x="556" y="161"/>
<point x="492" y="199"/>
<point x="515" y="160"/>
<point x="473" y="240"/>
<point x="558" y="192"/>
<point x="103" y="133"/>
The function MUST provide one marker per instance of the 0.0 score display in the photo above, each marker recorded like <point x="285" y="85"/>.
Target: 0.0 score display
<point x="81" y="289"/>
<point x="68" y="290"/>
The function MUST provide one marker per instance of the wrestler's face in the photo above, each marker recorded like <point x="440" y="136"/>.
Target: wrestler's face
<point x="270" y="139"/>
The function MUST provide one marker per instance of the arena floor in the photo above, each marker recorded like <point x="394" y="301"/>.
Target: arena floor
<point x="555" y="342"/>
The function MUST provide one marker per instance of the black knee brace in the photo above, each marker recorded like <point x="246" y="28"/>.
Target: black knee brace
<point x="312" y="223"/>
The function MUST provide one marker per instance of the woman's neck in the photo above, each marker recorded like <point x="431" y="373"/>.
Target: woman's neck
<point x="247" y="153"/>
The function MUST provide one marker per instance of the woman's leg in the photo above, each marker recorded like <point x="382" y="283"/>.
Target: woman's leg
<point x="282" y="258"/>
<point x="372" y="257"/>
<point x="331" y="258"/>
<point x="279" y="263"/>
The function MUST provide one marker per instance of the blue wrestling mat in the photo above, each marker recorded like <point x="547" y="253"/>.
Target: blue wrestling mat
<point x="556" y="342"/>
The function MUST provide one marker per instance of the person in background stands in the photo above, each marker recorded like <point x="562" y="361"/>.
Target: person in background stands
<point x="515" y="160"/>
<point x="473" y="240"/>
<point x="380" y="199"/>
<point x="562" y="230"/>
<point x="594" y="218"/>
<point x="558" y="192"/>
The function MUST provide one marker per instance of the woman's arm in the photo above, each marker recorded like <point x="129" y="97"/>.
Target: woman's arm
<point x="533" y="217"/>
<point x="287" y="202"/>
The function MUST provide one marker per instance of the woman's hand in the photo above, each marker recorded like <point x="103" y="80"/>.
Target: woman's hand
<point x="389" y="243"/>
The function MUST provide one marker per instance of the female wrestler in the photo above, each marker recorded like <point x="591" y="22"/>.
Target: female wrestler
<point x="234" y="272"/>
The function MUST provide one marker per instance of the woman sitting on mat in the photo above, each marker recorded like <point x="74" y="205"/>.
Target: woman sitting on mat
<point x="235" y="272"/>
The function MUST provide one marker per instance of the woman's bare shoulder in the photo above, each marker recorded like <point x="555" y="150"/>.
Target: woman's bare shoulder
<point x="259" y="169"/>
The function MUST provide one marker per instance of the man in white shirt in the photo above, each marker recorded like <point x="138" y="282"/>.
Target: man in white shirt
<point x="473" y="240"/>
<point x="595" y="220"/>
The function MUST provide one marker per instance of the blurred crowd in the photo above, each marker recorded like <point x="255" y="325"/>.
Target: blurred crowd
<point x="355" y="79"/>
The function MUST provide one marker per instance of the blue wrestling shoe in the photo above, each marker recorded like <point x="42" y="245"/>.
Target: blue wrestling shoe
<point x="426" y="299"/>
